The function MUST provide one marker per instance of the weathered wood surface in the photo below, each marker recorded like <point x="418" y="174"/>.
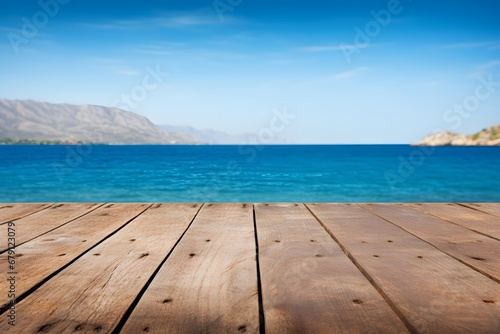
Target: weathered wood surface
<point x="472" y="219"/>
<point x="278" y="268"/>
<point x="47" y="220"/>
<point x="474" y="249"/>
<point x="93" y="294"/>
<point x="491" y="208"/>
<point x="43" y="256"/>
<point x="431" y="290"/>
<point x="308" y="284"/>
<point x="10" y="212"/>
<point x="209" y="282"/>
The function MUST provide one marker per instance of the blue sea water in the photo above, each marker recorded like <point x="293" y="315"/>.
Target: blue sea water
<point x="289" y="173"/>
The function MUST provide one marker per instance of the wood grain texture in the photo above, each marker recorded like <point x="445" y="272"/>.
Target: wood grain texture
<point x="434" y="292"/>
<point x="209" y="282"/>
<point x="477" y="250"/>
<point x="491" y="208"/>
<point x="42" y="256"/>
<point x="41" y="222"/>
<point x="308" y="283"/>
<point x="472" y="219"/>
<point x="395" y="261"/>
<point x="10" y="212"/>
<point x="93" y="294"/>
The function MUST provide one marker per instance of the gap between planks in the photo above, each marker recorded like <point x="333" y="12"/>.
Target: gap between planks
<point x="85" y="232"/>
<point x="472" y="249"/>
<point x="430" y="288"/>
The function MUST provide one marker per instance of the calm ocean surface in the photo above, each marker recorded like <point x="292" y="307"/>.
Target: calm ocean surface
<point x="336" y="173"/>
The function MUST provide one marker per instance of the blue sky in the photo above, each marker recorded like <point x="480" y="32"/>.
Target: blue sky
<point x="231" y="64"/>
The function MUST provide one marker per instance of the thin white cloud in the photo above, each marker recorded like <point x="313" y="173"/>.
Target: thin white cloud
<point x="339" y="47"/>
<point x="187" y="20"/>
<point x="167" y="20"/>
<point x="114" y="25"/>
<point x="335" y="78"/>
<point x="489" y="65"/>
<point x="115" y="66"/>
<point x="469" y="45"/>
<point x="36" y="45"/>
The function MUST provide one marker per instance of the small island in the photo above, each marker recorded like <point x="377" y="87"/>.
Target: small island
<point x="486" y="137"/>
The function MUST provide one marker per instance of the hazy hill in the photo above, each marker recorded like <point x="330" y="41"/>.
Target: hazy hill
<point x="486" y="137"/>
<point x="208" y="135"/>
<point x="39" y="121"/>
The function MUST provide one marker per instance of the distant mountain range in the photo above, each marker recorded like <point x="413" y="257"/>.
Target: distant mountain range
<point x="30" y="121"/>
<point x="39" y="122"/>
<point x="486" y="137"/>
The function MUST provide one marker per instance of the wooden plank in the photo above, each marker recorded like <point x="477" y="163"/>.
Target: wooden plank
<point x="434" y="292"/>
<point x="476" y="250"/>
<point x="308" y="284"/>
<point x="94" y="293"/>
<point x="209" y="282"/>
<point x="9" y="212"/>
<point x="45" y="255"/>
<point x="472" y="219"/>
<point x="41" y="222"/>
<point x="491" y="208"/>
